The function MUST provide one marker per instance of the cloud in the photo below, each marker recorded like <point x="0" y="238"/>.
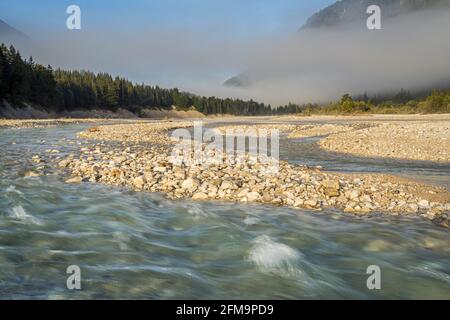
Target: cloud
<point x="411" y="52"/>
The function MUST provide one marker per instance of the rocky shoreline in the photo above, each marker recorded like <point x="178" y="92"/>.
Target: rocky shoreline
<point x="42" y="123"/>
<point x="140" y="158"/>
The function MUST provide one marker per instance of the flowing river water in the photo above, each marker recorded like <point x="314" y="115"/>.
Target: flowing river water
<point x="143" y="246"/>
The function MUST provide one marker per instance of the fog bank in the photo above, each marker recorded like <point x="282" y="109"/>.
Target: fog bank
<point x="411" y="52"/>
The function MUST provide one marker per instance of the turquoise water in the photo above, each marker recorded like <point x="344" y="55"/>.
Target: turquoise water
<point x="139" y="246"/>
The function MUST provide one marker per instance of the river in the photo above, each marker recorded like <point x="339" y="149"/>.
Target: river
<point x="144" y="246"/>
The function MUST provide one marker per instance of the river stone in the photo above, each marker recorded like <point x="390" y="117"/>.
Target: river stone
<point x="363" y="209"/>
<point x="216" y="182"/>
<point x="179" y="174"/>
<point x="266" y="196"/>
<point x="77" y="179"/>
<point x="352" y="194"/>
<point x="119" y="159"/>
<point x="299" y="203"/>
<point x="36" y="159"/>
<point x="311" y="203"/>
<point x="32" y="174"/>
<point x="413" y="208"/>
<point x="200" y="196"/>
<point x="115" y="173"/>
<point x="431" y="214"/>
<point x="424" y="204"/>
<point x="160" y="169"/>
<point x="139" y="182"/>
<point x="331" y="188"/>
<point x="349" y="209"/>
<point x="243" y="192"/>
<point x="228" y="185"/>
<point x="64" y="163"/>
<point x="190" y="184"/>
<point x="253" y="196"/>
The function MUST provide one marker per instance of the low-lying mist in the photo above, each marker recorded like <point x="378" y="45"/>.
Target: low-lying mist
<point x="411" y="52"/>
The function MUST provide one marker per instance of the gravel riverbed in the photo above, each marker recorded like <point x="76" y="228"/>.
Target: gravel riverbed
<point x="139" y="156"/>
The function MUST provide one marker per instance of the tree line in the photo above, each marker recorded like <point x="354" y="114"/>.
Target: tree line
<point x="402" y="102"/>
<point x="23" y="80"/>
<point x="436" y="101"/>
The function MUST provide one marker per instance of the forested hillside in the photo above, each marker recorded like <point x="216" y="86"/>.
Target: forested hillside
<point x="59" y="90"/>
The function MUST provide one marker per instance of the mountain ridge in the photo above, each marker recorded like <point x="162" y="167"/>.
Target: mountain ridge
<point x="347" y="11"/>
<point x="12" y="36"/>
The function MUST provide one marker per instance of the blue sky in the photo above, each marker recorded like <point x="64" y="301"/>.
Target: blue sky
<point x="237" y="17"/>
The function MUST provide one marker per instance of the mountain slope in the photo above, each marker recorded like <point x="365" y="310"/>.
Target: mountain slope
<point x="347" y="11"/>
<point x="10" y="35"/>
